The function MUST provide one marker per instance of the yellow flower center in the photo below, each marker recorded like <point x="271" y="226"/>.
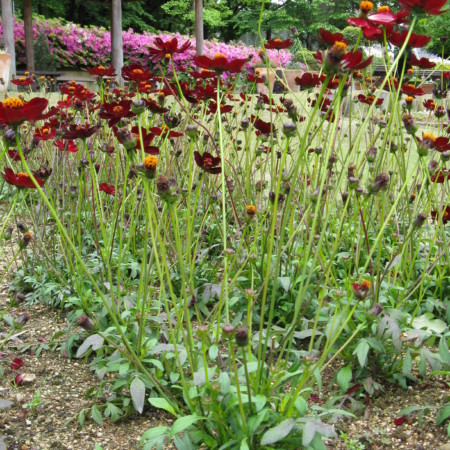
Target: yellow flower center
<point x="251" y="209"/>
<point x="371" y="98"/>
<point x="101" y="68"/>
<point x="150" y="162"/>
<point x="366" y="284"/>
<point x="21" y="174"/>
<point x="27" y="73"/>
<point x="384" y="8"/>
<point x="366" y="7"/>
<point x="45" y="130"/>
<point x="167" y="56"/>
<point x="117" y="109"/>
<point x="409" y="99"/>
<point x="12" y="103"/>
<point x="340" y="46"/>
<point x="410" y="70"/>
<point x="278" y="40"/>
<point x="257" y="72"/>
<point x="161" y="94"/>
<point x="22" y="78"/>
<point x="429" y="137"/>
<point x="42" y="78"/>
<point x="138" y="71"/>
<point x="219" y="56"/>
<point x="208" y="162"/>
<point x="71" y="89"/>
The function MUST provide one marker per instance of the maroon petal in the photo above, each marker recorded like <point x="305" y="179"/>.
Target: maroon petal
<point x="17" y="363"/>
<point x="399" y="420"/>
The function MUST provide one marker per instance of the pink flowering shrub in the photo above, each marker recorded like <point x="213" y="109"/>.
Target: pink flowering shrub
<point x="75" y="46"/>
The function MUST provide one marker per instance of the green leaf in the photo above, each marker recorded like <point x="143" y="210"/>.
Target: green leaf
<point x="182" y="423"/>
<point x="155" y="432"/>
<point x="244" y="445"/>
<point x="95" y="342"/>
<point x="277" y="433"/>
<point x="407" y="364"/>
<point x="97" y="415"/>
<point x="285" y="283"/>
<point x="426" y="321"/>
<point x="162" y="403"/>
<point x="361" y="351"/>
<point x="260" y="400"/>
<point x="213" y="352"/>
<point x="344" y="377"/>
<point x="443" y="351"/>
<point x="137" y="390"/>
<point x="301" y="405"/>
<point x="443" y="415"/>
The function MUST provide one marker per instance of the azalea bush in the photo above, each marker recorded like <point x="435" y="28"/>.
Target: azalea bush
<point x="216" y="249"/>
<point x="75" y="47"/>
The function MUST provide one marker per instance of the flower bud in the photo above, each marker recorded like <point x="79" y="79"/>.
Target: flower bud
<point x="241" y="336"/>
<point x="126" y="138"/>
<point x="372" y="154"/>
<point x="192" y="131"/>
<point x="420" y="220"/>
<point x="167" y="189"/>
<point x="85" y="322"/>
<point x="376" y="310"/>
<point x="228" y="331"/>
<point x="22" y="227"/>
<point x="380" y="183"/>
<point x="23" y="319"/>
<point x="289" y="129"/>
<point x="148" y="167"/>
<point x="138" y="106"/>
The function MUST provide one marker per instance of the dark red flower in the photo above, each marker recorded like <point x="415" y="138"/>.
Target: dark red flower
<point x="68" y="146"/>
<point x="368" y="100"/>
<point x="442" y="144"/>
<point x="165" y="132"/>
<point x="429" y="105"/>
<point x="23" y="81"/>
<point x="146" y="140"/>
<point x="154" y="107"/>
<point x="204" y="74"/>
<point x="102" y="71"/>
<point x="445" y="214"/>
<point x="440" y="177"/>
<point x="114" y="112"/>
<point x="80" y="131"/>
<point x="45" y="133"/>
<point x="361" y="290"/>
<point x="423" y="63"/>
<point x="252" y="79"/>
<point x="277" y="44"/>
<point x="166" y="49"/>
<point x="17" y="363"/>
<point x="263" y="127"/>
<point x="415" y="40"/>
<point x="439" y="112"/>
<point x="14" y="155"/>
<point x="20" y="179"/>
<point x="410" y="89"/>
<point x="433" y="7"/>
<point x="208" y="162"/>
<point x="220" y="63"/>
<point x="309" y="80"/>
<point x="109" y="189"/>
<point x="14" y="111"/>
<point x="223" y="108"/>
<point x="135" y="72"/>
<point x="328" y="39"/>
<point x="337" y="60"/>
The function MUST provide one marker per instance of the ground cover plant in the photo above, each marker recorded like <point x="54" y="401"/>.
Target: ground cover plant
<point x="217" y="249"/>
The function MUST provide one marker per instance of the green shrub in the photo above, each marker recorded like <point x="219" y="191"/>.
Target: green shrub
<point x="306" y="56"/>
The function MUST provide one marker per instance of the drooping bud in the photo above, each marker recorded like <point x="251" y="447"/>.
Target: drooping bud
<point x="167" y="189"/>
<point x="241" y="336"/>
<point x="380" y="183"/>
<point x="420" y="220"/>
<point x="85" y="322"/>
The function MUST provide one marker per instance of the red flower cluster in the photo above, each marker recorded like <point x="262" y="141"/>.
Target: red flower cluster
<point x="20" y="179"/>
